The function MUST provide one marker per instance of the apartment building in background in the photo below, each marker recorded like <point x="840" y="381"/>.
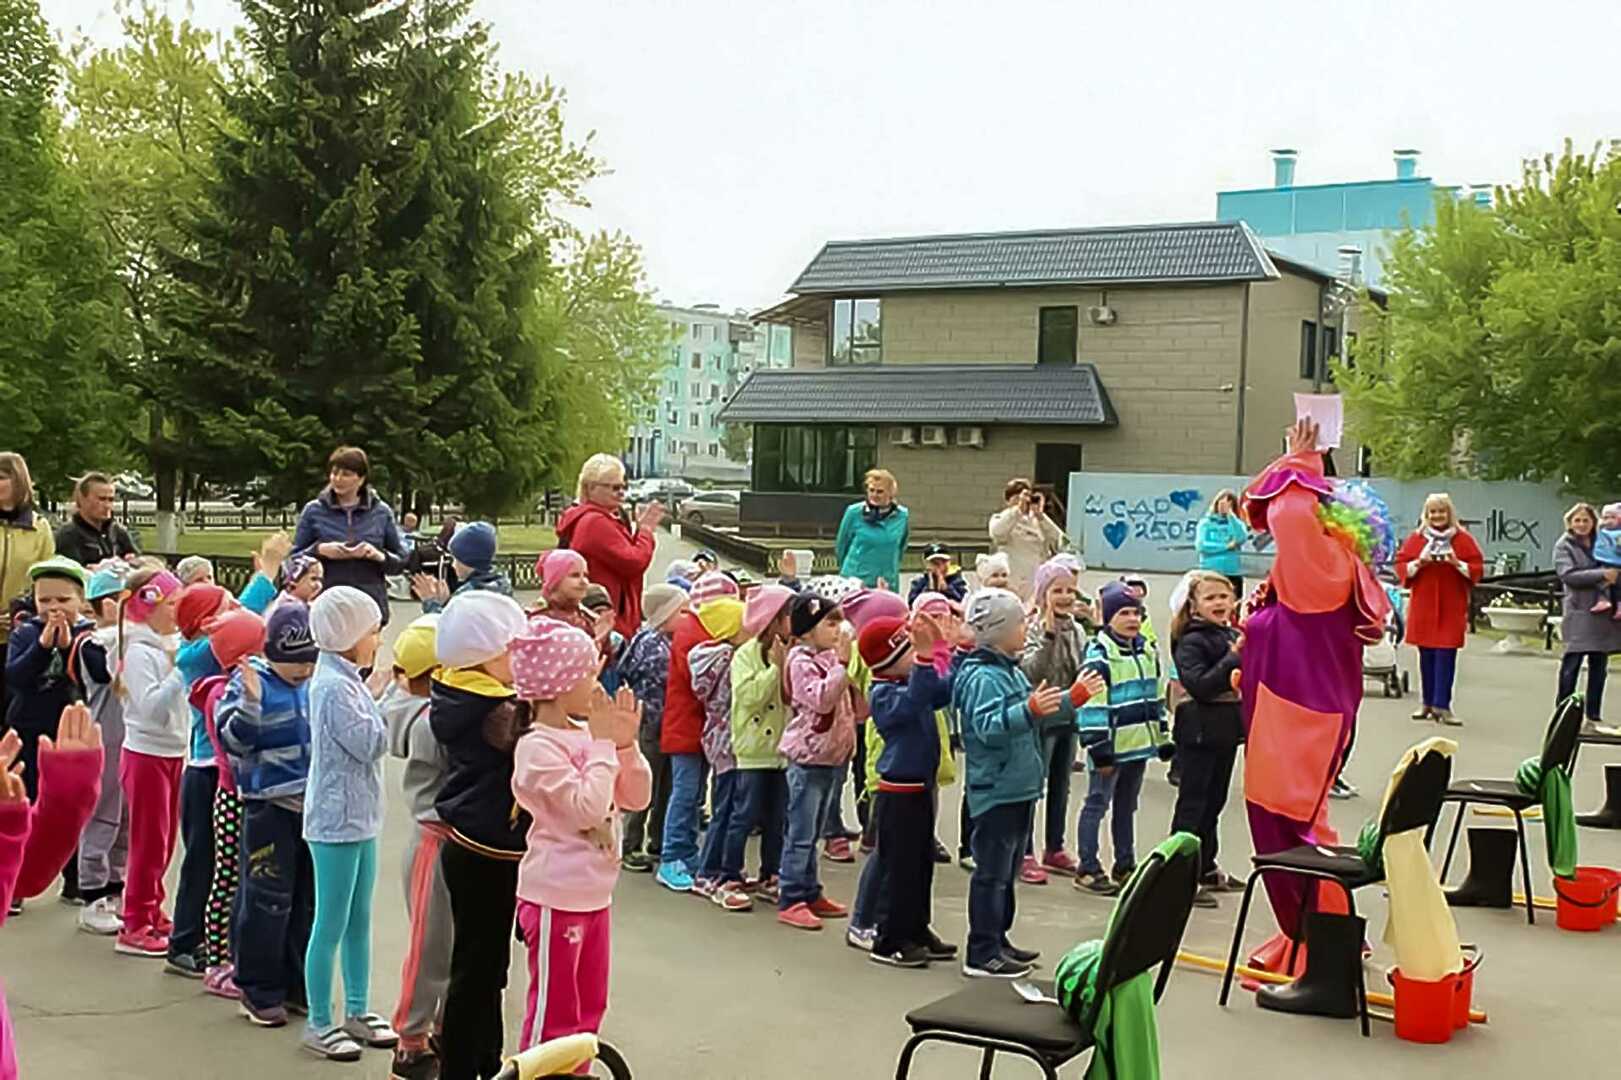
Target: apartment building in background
<point x="710" y="353"/>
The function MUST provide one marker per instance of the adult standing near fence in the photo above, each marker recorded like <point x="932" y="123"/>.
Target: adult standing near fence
<point x="1588" y="635"/>
<point x="1023" y="532"/>
<point x="1440" y="562"/>
<point x="617" y="550"/>
<point x="25" y="539"/>
<point x="873" y="534"/>
<point x="351" y="530"/>
<point x="1220" y="536"/>
<point x="91" y="535"/>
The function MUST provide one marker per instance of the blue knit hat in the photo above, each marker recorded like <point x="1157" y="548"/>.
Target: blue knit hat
<point x="288" y="639"/>
<point x="1116" y="596"/>
<point x="474" y="545"/>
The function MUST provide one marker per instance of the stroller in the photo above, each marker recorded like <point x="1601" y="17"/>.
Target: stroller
<point x="560" y="1057"/>
<point x="1380" y="660"/>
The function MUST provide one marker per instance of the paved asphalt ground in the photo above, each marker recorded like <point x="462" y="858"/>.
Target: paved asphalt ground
<point x="701" y="993"/>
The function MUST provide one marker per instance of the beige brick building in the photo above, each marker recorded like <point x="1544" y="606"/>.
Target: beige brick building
<point x="959" y="362"/>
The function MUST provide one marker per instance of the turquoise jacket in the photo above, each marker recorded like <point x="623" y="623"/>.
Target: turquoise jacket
<point x="871" y="551"/>
<point x="1216" y="532"/>
<point x="999" y="736"/>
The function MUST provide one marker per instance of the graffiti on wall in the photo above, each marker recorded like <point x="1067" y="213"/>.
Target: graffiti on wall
<point x="1171" y="517"/>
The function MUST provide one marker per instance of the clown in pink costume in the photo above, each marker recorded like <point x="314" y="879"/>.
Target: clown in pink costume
<point x="1301" y="679"/>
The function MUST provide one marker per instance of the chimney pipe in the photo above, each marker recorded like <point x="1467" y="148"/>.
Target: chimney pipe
<point x="1406" y="164"/>
<point x="1351" y="263"/>
<point x="1283" y="168"/>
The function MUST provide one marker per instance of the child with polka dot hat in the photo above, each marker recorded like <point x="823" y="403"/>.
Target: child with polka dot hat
<point x="574" y="769"/>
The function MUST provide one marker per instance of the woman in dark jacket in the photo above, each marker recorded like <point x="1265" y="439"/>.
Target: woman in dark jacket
<point x="1209" y="727"/>
<point x="351" y="530"/>
<point x="1588" y="636"/>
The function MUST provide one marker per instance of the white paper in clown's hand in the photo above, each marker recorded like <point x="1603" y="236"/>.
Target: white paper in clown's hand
<point x="1328" y="410"/>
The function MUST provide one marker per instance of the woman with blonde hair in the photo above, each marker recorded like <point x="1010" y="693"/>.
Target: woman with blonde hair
<point x="873" y="534"/>
<point x="617" y="550"/>
<point x="25" y="539"/>
<point x="1440" y="563"/>
<point x="1589" y="637"/>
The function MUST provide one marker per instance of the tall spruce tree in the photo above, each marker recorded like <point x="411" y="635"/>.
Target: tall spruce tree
<point x="59" y="326"/>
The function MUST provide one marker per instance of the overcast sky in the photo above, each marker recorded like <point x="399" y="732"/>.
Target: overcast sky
<point x="744" y="134"/>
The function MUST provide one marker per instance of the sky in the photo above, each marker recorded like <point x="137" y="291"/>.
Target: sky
<point x="742" y="135"/>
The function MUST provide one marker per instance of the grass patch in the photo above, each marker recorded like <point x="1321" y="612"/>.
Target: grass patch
<point x="244" y="542"/>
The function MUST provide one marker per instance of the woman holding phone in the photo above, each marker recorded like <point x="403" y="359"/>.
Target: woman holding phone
<point x="1440" y="562"/>
<point x="1025" y="534"/>
<point x="351" y="530"/>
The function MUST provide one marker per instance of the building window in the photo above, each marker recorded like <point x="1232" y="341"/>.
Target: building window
<point x="672" y="417"/>
<point x="1060" y="329"/>
<point x="692" y="421"/>
<point x="856" y="333"/>
<point x="1308" y="349"/>
<point x="1331" y="350"/>
<point x="697" y="361"/>
<point x="695" y="391"/>
<point x="714" y="449"/>
<point x="817" y="458"/>
<point x="714" y="391"/>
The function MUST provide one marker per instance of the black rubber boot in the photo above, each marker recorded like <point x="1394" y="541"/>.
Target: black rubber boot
<point x="1333" y="963"/>
<point x="1607" y="816"/>
<point x="1490" y="881"/>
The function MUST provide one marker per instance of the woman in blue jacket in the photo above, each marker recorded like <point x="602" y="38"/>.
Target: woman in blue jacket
<point x="1221" y="534"/>
<point x="351" y="530"/>
<point x="873" y="534"/>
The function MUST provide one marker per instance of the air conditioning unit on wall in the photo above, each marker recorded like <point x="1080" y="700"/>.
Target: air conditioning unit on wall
<point x="902" y="436"/>
<point x="971" y="436"/>
<point x="932" y="435"/>
<point x="1101" y="315"/>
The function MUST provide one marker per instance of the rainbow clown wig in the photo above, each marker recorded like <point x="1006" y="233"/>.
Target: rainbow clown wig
<point x="1351" y="511"/>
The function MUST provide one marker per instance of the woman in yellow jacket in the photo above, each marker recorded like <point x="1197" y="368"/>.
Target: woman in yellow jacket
<point x="25" y="539"/>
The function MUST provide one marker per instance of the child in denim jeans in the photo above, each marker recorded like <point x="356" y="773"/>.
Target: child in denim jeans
<point x="819" y="743"/>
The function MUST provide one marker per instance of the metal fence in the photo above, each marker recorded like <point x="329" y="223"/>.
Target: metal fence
<point x="235" y="571"/>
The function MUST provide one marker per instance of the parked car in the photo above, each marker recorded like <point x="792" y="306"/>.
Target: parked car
<point x="130" y="486"/>
<point x="710" y="508"/>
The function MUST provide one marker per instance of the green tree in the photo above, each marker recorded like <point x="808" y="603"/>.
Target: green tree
<point x="141" y="121"/>
<point x="1500" y="350"/>
<point x="59" y="332"/>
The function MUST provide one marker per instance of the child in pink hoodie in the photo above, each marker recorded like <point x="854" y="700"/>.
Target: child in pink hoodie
<point x="573" y="778"/>
<point x="37" y="841"/>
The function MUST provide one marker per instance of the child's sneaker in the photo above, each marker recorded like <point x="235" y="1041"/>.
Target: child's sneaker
<point x="273" y="1017"/>
<point x="1097" y="884"/>
<point x="15" y="909"/>
<point x="1205" y="897"/>
<point x="860" y="937"/>
<point x="838" y="850"/>
<point x="731" y="896"/>
<point x="704" y="887"/>
<point x="415" y="1065"/>
<point x="637" y="863"/>
<point x="965" y="859"/>
<point x="911" y="956"/>
<point x="1023" y="956"/>
<point x="1060" y="862"/>
<point x="769" y="889"/>
<point x="1122" y="874"/>
<point x="142" y="943"/>
<point x="1219" y="880"/>
<point x="939" y="949"/>
<point x="997" y="967"/>
<point x="800" y="917"/>
<point x="185" y="965"/>
<point x="675" y="876"/>
<point x="369" y="1029"/>
<point x="102" y="917"/>
<point x="217" y="981"/>
<point x="163" y="924"/>
<point x="334" y="1044"/>
<point x="1601" y="604"/>
<point x="1031" y="873"/>
<point x="941" y="855"/>
<point x="824" y="908"/>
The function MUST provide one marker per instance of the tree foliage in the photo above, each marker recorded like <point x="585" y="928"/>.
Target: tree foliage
<point x="58" y="310"/>
<point x="1500" y="350"/>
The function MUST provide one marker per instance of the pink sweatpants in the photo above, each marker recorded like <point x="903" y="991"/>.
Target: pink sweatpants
<point x="568" y="971"/>
<point x="152" y="792"/>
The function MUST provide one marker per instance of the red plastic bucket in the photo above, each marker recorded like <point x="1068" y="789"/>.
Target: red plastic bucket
<point x="1587" y="901"/>
<point x="1464" y="1000"/>
<point x="1424" y="1010"/>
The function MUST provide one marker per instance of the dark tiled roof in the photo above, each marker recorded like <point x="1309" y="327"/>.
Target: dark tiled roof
<point x="925" y="394"/>
<point x="1204" y="252"/>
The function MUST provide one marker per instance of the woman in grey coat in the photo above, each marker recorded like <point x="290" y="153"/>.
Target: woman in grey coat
<point x="1587" y="635"/>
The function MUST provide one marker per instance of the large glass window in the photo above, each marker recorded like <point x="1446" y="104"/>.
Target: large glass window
<point x="815" y="458"/>
<point x="857" y="337"/>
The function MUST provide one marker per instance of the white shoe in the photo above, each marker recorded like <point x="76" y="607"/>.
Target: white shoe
<point x="102" y="917"/>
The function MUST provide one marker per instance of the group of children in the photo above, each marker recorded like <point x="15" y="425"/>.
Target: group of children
<point x="253" y="729"/>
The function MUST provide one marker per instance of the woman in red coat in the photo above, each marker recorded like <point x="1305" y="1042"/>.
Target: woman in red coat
<point x="617" y="553"/>
<point x="1440" y="562"/>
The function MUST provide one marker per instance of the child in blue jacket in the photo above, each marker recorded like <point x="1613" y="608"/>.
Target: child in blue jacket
<point x="1000" y="715"/>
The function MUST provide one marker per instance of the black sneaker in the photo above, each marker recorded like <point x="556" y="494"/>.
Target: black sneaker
<point x="637" y="863"/>
<point x="1097" y="884"/>
<point x="415" y="1065"/>
<point x="912" y="956"/>
<point x="1123" y="874"/>
<point x="941" y="855"/>
<point x="1028" y="957"/>
<point x="273" y="1017"/>
<point x="15" y="909"/>
<point x="1342" y="790"/>
<point x="997" y="967"/>
<point x="186" y="965"/>
<point x="939" y="949"/>
<point x="1221" y="881"/>
<point x="1205" y="898"/>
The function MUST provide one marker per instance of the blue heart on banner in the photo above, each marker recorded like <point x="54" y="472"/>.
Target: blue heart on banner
<point x="1115" y="533"/>
<point x="1184" y="498"/>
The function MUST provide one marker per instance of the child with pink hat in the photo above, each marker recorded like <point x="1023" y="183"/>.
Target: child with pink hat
<point x="563" y="585"/>
<point x="574" y="769"/>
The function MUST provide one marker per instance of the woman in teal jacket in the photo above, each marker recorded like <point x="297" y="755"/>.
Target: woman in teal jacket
<point x="1221" y="534"/>
<point x="873" y="535"/>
